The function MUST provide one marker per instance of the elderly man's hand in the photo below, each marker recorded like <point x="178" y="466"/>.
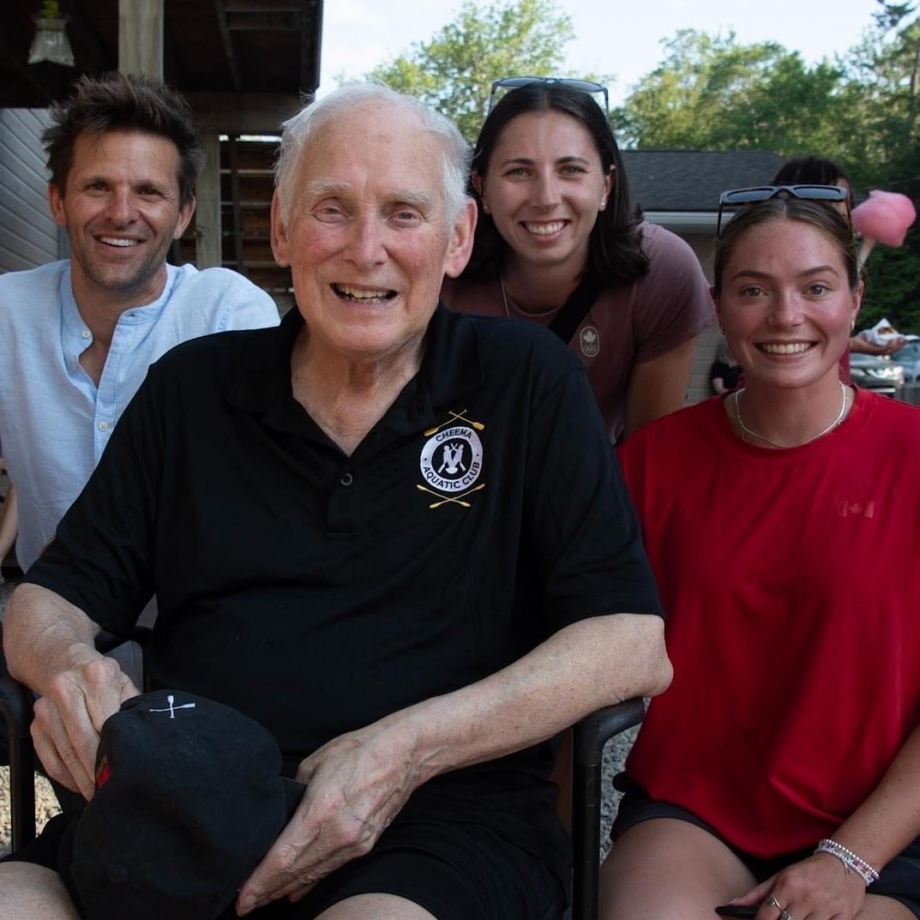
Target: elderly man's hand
<point x="69" y="718"/>
<point x="356" y="784"/>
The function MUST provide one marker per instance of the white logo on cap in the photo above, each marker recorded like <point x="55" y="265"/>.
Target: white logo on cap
<point x="172" y="709"/>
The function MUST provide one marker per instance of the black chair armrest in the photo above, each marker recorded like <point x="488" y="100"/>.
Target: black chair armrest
<point x="16" y="706"/>
<point x="591" y="734"/>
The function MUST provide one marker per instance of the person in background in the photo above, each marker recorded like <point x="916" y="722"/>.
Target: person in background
<point x="778" y="773"/>
<point x="397" y="588"/>
<point x="79" y="334"/>
<point x="560" y="243"/>
<point x="725" y="372"/>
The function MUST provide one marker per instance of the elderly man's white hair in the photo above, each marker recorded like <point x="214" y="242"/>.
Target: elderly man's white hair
<point x="299" y="129"/>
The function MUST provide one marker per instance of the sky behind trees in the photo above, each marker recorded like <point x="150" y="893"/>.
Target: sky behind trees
<point x="358" y="35"/>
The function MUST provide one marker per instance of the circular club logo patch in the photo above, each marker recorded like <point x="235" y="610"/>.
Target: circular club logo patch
<point x="590" y="342"/>
<point x="451" y="461"/>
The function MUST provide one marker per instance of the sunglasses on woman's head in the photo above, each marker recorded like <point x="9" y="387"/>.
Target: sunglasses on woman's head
<point x="738" y="197"/>
<point x="584" y="86"/>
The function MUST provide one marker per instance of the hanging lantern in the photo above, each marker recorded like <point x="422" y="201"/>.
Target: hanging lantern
<point x="50" y="42"/>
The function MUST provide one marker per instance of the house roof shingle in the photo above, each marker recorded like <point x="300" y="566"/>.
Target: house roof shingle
<point x="691" y="180"/>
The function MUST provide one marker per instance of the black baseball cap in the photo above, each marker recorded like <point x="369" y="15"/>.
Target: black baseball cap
<point x="189" y="797"/>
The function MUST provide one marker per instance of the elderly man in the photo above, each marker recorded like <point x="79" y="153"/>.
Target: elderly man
<point x="78" y="335"/>
<point x="393" y="535"/>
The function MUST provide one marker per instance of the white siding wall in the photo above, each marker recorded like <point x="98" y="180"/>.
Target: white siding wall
<point x="28" y="235"/>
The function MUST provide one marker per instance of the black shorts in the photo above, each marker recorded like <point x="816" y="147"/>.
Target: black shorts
<point x="455" y="871"/>
<point x="900" y="879"/>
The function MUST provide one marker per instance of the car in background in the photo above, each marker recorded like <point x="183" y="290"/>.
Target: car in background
<point x="908" y="357"/>
<point x="876" y="372"/>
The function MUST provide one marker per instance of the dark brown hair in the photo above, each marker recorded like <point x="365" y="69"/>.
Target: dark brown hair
<point x="812" y="170"/>
<point x="118" y="102"/>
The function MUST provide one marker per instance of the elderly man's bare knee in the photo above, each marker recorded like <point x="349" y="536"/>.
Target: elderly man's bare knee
<point x="27" y="890"/>
<point x="376" y="907"/>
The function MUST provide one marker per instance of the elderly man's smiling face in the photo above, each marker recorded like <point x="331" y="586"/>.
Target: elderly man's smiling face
<point x="367" y="234"/>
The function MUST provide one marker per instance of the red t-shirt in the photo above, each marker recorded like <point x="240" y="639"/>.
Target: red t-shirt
<point x="789" y="582"/>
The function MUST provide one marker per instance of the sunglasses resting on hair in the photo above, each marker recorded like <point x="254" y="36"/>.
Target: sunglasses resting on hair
<point x="584" y="86"/>
<point x="737" y="197"/>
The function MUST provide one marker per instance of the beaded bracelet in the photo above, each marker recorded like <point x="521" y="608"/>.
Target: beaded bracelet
<point x="849" y="859"/>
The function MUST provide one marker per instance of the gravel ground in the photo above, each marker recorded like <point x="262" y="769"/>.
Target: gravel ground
<point x="614" y="754"/>
<point x="46" y="803"/>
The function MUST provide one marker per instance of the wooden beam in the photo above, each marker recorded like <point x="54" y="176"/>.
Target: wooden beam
<point x="243" y="113"/>
<point x="311" y="42"/>
<point x="140" y="37"/>
<point x="263" y="6"/>
<point x="235" y="203"/>
<point x="230" y="51"/>
<point x="263" y="22"/>
<point x="207" y="213"/>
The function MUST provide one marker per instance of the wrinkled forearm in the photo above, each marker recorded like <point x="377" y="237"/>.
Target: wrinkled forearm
<point x="44" y="635"/>
<point x="588" y="665"/>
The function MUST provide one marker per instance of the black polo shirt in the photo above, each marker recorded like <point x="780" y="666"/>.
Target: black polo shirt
<point x="318" y="592"/>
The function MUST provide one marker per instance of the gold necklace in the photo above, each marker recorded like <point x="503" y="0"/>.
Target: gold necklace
<point x="530" y="314"/>
<point x="501" y="281"/>
<point x="747" y="431"/>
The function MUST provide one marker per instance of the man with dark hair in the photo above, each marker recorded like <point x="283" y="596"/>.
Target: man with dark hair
<point x="79" y="334"/>
<point x="124" y="103"/>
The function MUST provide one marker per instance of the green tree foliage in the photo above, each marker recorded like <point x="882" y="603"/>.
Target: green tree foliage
<point x="454" y="71"/>
<point x="711" y="93"/>
<point x="883" y="151"/>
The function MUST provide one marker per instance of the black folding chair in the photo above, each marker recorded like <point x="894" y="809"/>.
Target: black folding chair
<point x="591" y="735"/>
<point x="16" y="705"/>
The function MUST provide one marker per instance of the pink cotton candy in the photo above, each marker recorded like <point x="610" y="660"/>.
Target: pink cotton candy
<point x="884" y="216"/>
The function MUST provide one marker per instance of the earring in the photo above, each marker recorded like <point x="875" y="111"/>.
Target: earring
<point x="852" y="325"/>
<point x="603" y="203"/>
<point x="485" y="208"/>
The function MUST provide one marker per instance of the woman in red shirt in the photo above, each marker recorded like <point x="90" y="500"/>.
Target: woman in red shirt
<point x="779" y="771"/>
